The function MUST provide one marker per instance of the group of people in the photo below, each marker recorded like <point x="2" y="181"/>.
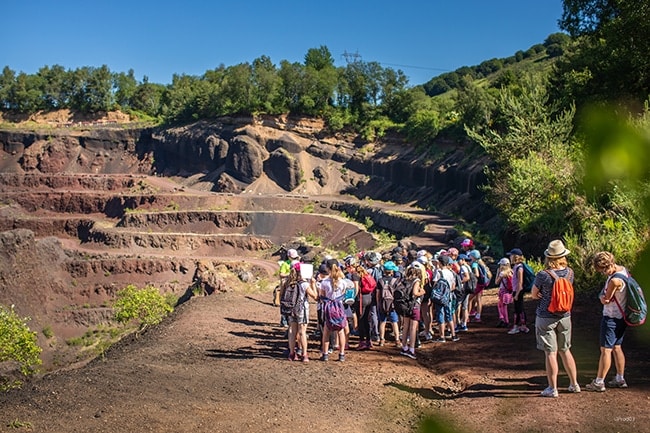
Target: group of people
<point x="363" y="293"/>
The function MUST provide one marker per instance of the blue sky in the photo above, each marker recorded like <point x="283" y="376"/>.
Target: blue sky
<point x="160" y="38"/>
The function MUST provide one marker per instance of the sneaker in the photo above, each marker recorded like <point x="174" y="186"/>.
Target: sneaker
<point x="428" y="336"/>
<point x="462" y="328"/>
<point x="593" y="386"/>
<point x="472" y="313"/>
<point x="404" y="352"/>
<point x="382" y="342"/>
<point x="455" y="338"/>
<point x="574" y="388"/>
<point x="550" y="392"/>
<point x="524" y="329"/>
<point x="299" y="352"/>
<point x="616" y="384"/>
<point x="341" y="357"/>
<point x="514" y="331"/>
<point x="292" y="357"/>
<point x="330" y="350"/>
<point x="440" y="340"/>
<point x="502" y="324"/>
<point x="325" y="357"/>
<point x="410" y="354"/>
<point x="305" y="358"/>
<point x="362" y="346"/>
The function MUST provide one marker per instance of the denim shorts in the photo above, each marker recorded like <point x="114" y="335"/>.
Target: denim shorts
<point x="553" y="333"/>
<point x="612" y="331"/>
<point x="443" y="313"/>
<point x="391" y="317"/>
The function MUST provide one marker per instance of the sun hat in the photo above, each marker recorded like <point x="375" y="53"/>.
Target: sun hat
<point x="475" y="254"/>
<point x="515" y="252"/>
<point x="292" y="253"/>
<point x="504" y="261"/>
<point x="452" y="251"/>
<point x="416" y="265"/>
<point x="390" y="266"/>
<point x="422" y="253"/>
<point x="467" y="243"/>
<point x="556" y="249"/>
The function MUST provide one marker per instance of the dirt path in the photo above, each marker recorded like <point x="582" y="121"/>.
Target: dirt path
<point x="216" y="365"/>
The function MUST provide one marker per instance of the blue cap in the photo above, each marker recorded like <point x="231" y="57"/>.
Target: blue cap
<point x="390" y="266"/>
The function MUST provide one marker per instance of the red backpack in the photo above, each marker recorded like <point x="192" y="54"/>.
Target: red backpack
<point x="367" y="284"/>
<point x="561" y="293"/>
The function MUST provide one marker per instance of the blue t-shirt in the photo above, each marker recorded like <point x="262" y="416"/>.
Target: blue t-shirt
<point x="544" y="283"/>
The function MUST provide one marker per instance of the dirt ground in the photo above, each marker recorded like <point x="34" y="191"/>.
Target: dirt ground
<point x="217" y="365"/>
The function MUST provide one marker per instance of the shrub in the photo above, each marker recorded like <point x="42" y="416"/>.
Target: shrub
<point x="144" y="306"/>
<point x="17" y="344"/>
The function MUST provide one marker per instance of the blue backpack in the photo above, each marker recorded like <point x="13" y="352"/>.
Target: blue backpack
<point x="441" y="292"/>
<point x="636" y="308"/>
<point x="529" y="278"/>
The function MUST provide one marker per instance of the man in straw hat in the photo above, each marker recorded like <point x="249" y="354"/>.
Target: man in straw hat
<point x="553" y="330"/>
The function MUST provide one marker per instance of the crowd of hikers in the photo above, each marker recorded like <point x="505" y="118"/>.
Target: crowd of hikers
<point x="421" y="295"/>
<point x="435" y="297"/>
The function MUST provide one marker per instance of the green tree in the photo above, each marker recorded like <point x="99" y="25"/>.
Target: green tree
<point x="125" y="88"/>
<point x="609" y="61"/>
<point x="144" y="306"/>
<point x="533" y="180"/>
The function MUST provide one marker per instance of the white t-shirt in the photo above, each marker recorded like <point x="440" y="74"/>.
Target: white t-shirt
<point x="611" y="309"/>
<point x="332" y="292"/>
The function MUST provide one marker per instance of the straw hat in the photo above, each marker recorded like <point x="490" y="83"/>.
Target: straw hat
<point x="556" y="249"/>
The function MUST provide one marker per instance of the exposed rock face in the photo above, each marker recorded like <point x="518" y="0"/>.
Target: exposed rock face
<point x="284" y="169"/>
<point x="233" y="155"/>
<point x="245" y="159"/>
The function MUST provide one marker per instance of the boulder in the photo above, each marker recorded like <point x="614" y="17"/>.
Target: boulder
<point x="284" y="169"/>
<point x="245" y="159"/>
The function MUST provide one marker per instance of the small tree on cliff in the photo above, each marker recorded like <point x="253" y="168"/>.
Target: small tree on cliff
<point x="18" y="344"/>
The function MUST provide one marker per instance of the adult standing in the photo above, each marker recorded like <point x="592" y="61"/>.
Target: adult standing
<point x="413" y="279"/>
<point x="553" y="330"/>
<point x="612" y="325"/>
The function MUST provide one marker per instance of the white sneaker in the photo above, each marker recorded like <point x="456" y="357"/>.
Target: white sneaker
<point x="514" y="331"/>
<point x="550" y="392"/>
<point x="574" y="388"/>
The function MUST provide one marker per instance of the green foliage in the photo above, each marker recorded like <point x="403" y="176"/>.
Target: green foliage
<point x="17" y="344"/>
<point x="15" y="424"/>
<point x="143" y="306"/>
<point x="47" y="332"/>
<point x="533" y="180"/>
<point x="423" y="127"/>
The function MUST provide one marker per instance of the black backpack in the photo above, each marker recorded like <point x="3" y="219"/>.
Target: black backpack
<point x="403" y="300"/>
<point x="470" y="285"/>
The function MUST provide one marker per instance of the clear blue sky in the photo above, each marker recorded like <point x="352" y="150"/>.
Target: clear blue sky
<point x="160" y="38"/>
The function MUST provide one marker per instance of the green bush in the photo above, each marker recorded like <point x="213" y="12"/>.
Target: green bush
<point x="17" y="344"/>
<point x="143" y="306"/>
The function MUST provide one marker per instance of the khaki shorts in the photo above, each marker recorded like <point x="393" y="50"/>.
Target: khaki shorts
<point x="553" y="334"/>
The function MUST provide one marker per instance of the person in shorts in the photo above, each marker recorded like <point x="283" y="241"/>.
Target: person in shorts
<point x="613" y="296"/>
<point x="553" y="330"/>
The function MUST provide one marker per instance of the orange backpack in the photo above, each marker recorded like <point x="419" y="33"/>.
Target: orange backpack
<point x="561" y="293"/>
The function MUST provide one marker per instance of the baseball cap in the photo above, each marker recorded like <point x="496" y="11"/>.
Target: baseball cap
<point x="292" y="253"/>
<point x="515" y="252"/>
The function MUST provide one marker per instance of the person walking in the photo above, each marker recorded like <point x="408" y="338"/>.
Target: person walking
<point x="613" y="296"/>
<point x="553" y="330"/>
